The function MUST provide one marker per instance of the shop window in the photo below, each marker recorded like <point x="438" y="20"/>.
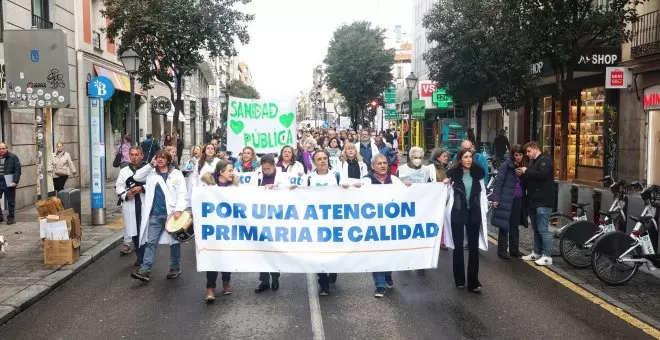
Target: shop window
<point x="546" y="132"/>
<point x="592" y="122"/>
<point x="572" y="139"/>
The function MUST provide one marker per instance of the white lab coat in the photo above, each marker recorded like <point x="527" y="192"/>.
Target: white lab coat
<point x="176" y="198"/>
<point x="192" y="177"/>
<point x="295" y="168"/>
<point x="205" y="169"/>
<point x="127" y="206"/>
<point x="424" y="174"/>
<point x="344" y="179"/>
<point x="483" y="203"/>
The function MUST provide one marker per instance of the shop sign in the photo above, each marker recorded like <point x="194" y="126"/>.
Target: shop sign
<point x="419" y="109"/>
<point x="617" y="78"/>
<point x="161" y="105"/>
<point x="593" y="59"/>
<point x="652" y="98"/>
<point x="441" y="99"/>
<point x="426" y="88"/>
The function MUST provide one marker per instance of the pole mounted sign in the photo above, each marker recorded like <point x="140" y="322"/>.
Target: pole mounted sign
<point x="441" y="99"/>
<point x="617" y="78"/>
<point x="101" y="87"/>
<point x="161" y="105"/>
<point x="390" y="103"/>
<point x="37" y="70"/>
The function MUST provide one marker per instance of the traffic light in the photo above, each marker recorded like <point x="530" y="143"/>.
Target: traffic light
<point x="374" y="103"/>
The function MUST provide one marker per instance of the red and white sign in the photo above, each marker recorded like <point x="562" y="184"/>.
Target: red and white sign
<point x="426" y="89"/>
<point x="652" y="98"/>
<point x="617" y="77"/>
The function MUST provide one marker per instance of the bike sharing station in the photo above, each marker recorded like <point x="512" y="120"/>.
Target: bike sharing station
<point x="37" y="78"/>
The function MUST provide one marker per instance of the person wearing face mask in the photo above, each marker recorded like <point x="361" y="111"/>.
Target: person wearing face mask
<point x="368" y="148"/>
<point x="414" y="171"/>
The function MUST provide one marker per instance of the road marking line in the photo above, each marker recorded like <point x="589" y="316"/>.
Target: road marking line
<point x="315" y="308"/>
<point x="616" y="311"/>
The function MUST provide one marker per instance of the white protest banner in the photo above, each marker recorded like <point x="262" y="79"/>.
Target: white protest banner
<point x="335" y="164"/>
<point x="248" y="179"/>
<point x="263" y="125"/>
<point x="294" y="179"/>
<point x="313" y="230"/>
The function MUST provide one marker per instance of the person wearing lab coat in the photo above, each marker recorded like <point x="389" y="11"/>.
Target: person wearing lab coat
<point x="166" y="195"/>
<point x="131" y="195"/>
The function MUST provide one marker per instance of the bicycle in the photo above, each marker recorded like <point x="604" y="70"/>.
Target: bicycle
<point x="577" y="239"/>
<point x="616" y="257"/>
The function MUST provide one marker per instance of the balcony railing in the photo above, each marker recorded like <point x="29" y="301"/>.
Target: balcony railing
<point x="646" y="35"/>
<point x="96" y="40"/>
<point x="40" y="22"/>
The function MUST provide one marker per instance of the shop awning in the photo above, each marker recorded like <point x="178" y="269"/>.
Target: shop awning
<point x="120" y="81"/>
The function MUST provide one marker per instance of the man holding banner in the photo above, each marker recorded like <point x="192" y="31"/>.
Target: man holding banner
<point x="381" y="175"/>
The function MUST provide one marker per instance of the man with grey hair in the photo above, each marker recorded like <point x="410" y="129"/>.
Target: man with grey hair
<point x="10" y="175"/>
<point x="414" y="171"/>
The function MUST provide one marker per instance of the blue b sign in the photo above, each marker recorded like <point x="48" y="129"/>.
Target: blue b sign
<point x="101" y="87"/>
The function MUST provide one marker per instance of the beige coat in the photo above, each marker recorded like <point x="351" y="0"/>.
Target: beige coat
<point x="62" y="164"/>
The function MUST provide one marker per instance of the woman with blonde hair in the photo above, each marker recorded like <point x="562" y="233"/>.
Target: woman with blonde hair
<point x="248" y="161"/>
<point x="62" y="166"/>
<point x="353" y="168"/>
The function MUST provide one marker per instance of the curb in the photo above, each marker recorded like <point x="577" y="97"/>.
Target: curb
<point x="30" y="295"/>
<point x="591" y="289"/>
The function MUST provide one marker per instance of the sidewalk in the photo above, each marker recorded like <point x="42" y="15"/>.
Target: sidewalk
<point x="640" y="297"/>
<point x="24" y="278"/>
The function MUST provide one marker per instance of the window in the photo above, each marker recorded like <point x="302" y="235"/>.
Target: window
<point x="40" y="9"/>
<point x="399" y="72"/>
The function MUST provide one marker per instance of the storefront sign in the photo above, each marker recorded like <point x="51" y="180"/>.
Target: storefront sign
<point x="161" y="105"/>
<point x="652" y="98"/>
<point x="37" y="69"/>
<point x="617" y="78"/>
<point x="441" y="99"/>
<point x="594" y="59"/>
<point x="419" y="109"/>
<point x="426" y="88"/>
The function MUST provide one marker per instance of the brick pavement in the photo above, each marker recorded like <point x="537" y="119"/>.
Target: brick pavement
<point x="23" y="276"/>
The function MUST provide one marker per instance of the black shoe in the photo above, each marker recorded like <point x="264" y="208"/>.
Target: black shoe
<point x="324" y="292"/>
<point x="460" y="286"/>
<point x="476" y="290"/>
<point x="515" y="254"/>
<point x="275" y="286"/>
<point x="263" y="286"/>
<point x="137" y="263"/>
<point x="504" y="256"/>
<point x="174" y="273"/>
<point x="140" y="274"/>
<point x="2" y="218"/>
<point x="10" y="221"/>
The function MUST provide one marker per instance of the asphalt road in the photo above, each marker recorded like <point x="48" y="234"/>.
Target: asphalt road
<point x="519" y="302"/>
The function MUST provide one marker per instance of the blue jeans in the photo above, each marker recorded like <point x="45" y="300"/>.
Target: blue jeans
<point x="381" y="279"/>
<point x="540" y="218"/>
<point x="156" y="226"/>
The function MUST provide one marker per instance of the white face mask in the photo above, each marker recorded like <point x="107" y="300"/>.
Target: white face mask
<point x="417" y="162"/>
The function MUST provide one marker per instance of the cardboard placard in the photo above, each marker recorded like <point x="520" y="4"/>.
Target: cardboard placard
<point x="61" y="252"/>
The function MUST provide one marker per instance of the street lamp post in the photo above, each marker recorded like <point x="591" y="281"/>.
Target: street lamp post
<point x="411" y="83"/>
<point x="131" y="61"/>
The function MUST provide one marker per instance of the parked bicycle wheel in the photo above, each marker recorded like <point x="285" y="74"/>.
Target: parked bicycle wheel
<point x="557" y="223"/>
<point x="576" y="254"/>
<point x="606" y="260"/>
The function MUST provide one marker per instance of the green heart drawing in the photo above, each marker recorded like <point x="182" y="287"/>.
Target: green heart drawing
<point x="236" y="126"/>
<point x="287" y="119"/>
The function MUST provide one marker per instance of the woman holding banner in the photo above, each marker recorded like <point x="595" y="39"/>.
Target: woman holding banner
<point x="223" y="176"/>
<point x="381" y="175"/>
<point x="353" y="168"/>
<point x="468" y="212"/>
<point x="248" y="161"/>
<point x="414" y="171"/>
<point x="286" y="162"/>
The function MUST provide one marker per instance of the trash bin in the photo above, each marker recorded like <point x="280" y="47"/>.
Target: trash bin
<point x="70" y="199"/>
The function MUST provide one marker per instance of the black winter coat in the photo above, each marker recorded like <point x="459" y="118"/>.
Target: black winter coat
<point x="505" y="184"/>
<point x="539" y="183"/>
<point x="460" y="214"/>
<point x="12" y="166"/>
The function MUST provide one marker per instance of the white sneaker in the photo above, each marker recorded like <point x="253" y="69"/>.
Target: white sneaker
<point x="531" y="257"/>
<point x="544" y="261"/>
